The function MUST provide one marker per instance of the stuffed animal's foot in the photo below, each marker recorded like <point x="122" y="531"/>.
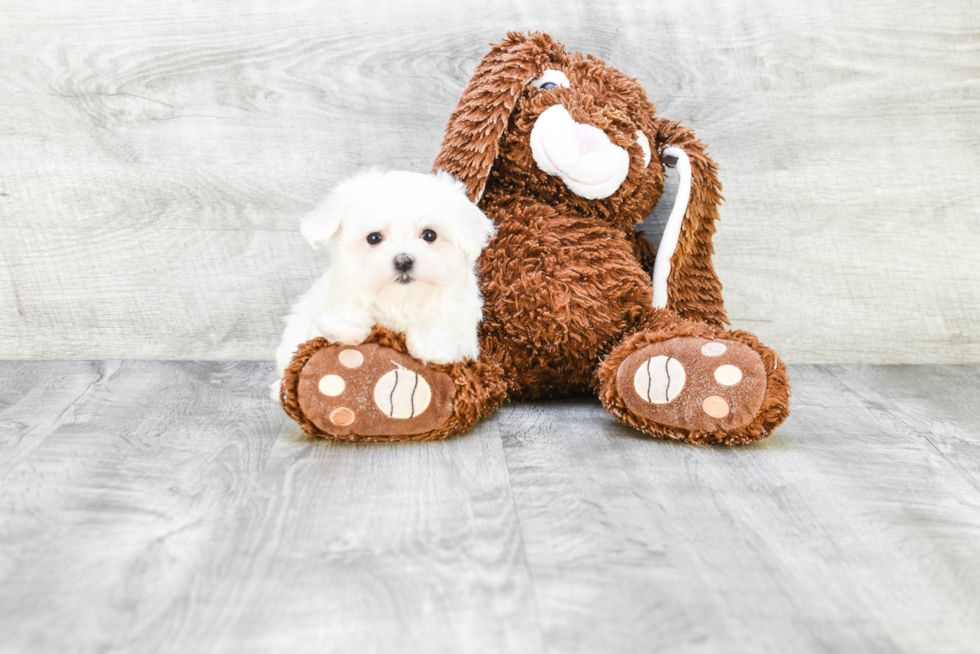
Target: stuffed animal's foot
<point x="699" y="389"/>
<point x="377" y="391"/>
<point x="694" y="383"/>
<point x="363" y="391"/>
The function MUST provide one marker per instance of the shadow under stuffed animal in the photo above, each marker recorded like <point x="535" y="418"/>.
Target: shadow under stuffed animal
<point x="566" y="155"/>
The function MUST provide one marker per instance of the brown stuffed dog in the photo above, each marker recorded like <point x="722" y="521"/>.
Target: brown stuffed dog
<point x="566" y="155"/>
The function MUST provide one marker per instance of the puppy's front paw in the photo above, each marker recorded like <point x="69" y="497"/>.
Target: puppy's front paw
<point x="438" y="347"/>
<point x="343" y="329"/>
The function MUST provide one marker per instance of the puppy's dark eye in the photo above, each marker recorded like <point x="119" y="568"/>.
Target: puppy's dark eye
<point x="374" y="238"/>
<point x="428" y="236"/>
<point x="547" y="86"/>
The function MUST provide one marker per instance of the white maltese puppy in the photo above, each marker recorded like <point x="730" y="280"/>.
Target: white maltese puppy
<point x="403" y="248"/>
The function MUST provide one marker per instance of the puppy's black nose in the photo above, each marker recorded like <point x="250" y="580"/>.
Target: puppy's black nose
<point x="404" y="263"/>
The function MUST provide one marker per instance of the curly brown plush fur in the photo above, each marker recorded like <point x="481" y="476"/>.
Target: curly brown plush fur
<point x="566" y="280"/>
<point x="486" y="146"/>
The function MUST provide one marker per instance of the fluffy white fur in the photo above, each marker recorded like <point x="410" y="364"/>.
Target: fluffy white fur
<point x="436" y="304"/>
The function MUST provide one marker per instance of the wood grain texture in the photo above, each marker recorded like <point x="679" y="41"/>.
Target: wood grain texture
<point x="347" y="547"/>
<point x="847" y="531"/>
<point x="114" y="500"/>
<point x="169" y="507"/>
<point x="36" y="399"/>
<point x="155" y="158"/>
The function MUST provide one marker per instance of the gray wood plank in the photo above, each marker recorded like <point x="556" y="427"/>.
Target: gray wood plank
<point x="845" y="531"/>
<point x="169" y="507"/>
<point x="35" y="399"/>
<point x="936" y="403"/>
<point x="107" y="523"/>
<point x="156" y="157"/>
<point x="373" y="548"/>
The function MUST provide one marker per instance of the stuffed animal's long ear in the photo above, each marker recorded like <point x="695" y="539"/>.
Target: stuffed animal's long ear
<point x="694" y="287"/>
<point x="479" y="120"/>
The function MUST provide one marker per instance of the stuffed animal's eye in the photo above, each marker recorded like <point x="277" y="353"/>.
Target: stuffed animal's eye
<point x="428" y="236"/>
<point x="550" y="79"/>
<point x="374" y="238"/>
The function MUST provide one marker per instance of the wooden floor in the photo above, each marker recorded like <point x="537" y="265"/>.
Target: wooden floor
<point x="151" y="506"/>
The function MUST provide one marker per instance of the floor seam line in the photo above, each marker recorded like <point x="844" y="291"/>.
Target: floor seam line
<point x="520" y="532"/>
<point x="913" y="430"/>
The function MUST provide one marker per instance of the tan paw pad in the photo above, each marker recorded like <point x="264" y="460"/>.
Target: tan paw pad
<point x="715" y="406"/>
<point x="350" y="358"/>
<point x="713" y="349"/>
<point x="342" y="416"/>
<point x="402" y="394"/>
<point x="728" y="375"/>
<point x="331" y="385"/>
<point x="659" y="380"/>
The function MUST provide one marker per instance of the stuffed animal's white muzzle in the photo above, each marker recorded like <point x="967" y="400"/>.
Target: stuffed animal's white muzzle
<point x="582" y="156"/>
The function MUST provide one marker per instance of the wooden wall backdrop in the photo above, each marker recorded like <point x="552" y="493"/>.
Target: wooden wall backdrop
<point x="155" y="157"/>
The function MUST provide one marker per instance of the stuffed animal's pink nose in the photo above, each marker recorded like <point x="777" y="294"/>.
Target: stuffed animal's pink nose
<point x="590" y="139"/>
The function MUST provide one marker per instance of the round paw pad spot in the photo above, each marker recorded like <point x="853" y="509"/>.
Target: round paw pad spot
<point x="715" y="406"/>
<point x="342" y="416"/>
<point x="350" y="358"/>
<point x="402" y="394"/>
<point x="332" y="385"/>
<point x="728" y="375"/>
<point x="659" y="380"/>
<point x="713" y="349"/>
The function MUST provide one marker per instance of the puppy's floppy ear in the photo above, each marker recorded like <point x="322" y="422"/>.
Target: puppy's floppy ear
<point x="321" y="224"/>
<point x="479" y="120"/>
<point x="471" y="229"/>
